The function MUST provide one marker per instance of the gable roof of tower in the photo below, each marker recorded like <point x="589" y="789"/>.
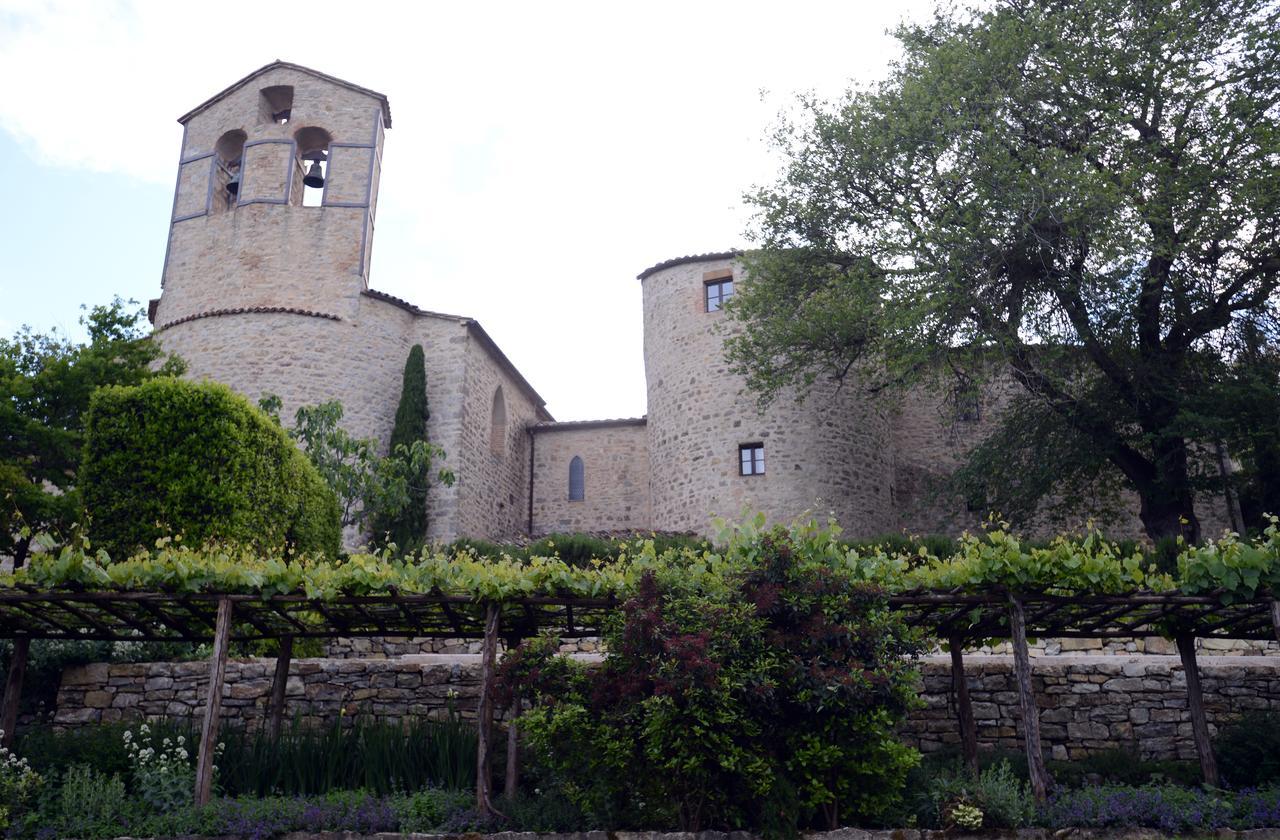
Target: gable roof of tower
<point x="386" y="106"/>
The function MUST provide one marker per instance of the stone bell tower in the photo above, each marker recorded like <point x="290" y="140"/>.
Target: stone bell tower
<point x="274" y="205"/>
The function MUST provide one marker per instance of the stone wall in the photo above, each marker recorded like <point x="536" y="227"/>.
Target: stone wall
<point x="615" y="459"/>
<point x="1093" y="703"/>
<point x="830" y="454"/>
<point x="493" y="483"/>
<point x="1088" y="703"/>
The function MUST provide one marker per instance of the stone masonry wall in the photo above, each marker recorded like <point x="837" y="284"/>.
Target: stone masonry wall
<point x="615" y="459"/>
<point x="360" y="362"/>
<point x="1087" y="703"/>
<point x="493" y="487"/>
<point x="827" y="455"/>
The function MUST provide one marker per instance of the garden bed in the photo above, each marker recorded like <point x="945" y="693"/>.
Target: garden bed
<point x="839" y="834"/>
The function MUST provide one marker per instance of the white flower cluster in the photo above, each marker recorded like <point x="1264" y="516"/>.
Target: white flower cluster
<point x="144" y="755"/>
<point x="10" y="764"/>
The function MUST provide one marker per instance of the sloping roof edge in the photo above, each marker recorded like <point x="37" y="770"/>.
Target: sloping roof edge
<point x="386" y="106"/>
<point x="473" y="326"/>
<point x="568" y="425"/>
<point x="491" y="346"/>
<point x="691" y="258"/>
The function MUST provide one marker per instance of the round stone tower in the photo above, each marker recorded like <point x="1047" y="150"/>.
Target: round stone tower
<point x="267" y="264"/>
<point x="713" y="452"/>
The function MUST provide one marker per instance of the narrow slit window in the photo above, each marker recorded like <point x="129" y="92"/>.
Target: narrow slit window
<point x="751" y="459"/>
<point x="577" y="480"/>
<point x="717" y="292"/>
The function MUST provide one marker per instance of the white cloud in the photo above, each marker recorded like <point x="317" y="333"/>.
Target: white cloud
<point x="542" y="153"/>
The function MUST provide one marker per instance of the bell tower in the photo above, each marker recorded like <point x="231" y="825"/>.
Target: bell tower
<point x="274" y="205"/>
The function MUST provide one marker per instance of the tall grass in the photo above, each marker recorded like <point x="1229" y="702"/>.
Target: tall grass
<point x="378" y="757"/>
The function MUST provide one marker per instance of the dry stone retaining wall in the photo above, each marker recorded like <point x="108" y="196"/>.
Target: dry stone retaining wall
<point x="1088" y="703"/>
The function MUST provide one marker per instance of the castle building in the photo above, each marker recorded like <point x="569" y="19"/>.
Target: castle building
<point x="265" y="287"/>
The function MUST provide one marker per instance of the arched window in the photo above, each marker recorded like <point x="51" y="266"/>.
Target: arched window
<point x="228" y="155"/>
<point x="577" y="480"/>
<point x="498" y="424"/>
<point x="313" y="163"/>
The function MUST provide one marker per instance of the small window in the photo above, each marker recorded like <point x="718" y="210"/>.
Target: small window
<point x="498" y="424"/>
<point x="717" y="292"/>
<point x="577" y="480"/>
<point x="276" y="105"/>
<point x="751" y="459"/>
<point x="968" y="403"/>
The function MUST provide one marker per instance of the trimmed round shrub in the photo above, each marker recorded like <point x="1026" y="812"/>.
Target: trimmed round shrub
<point x="171" y="457"/>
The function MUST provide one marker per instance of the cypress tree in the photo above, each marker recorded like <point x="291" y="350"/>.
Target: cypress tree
<point x="408" y="529"/>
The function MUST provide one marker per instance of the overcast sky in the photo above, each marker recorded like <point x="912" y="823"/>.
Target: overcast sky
<point x="542" y="154"/>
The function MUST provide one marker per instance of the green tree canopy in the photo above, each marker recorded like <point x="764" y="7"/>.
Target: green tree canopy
<point x="45" y="384"/>
<point x="1083" y="196"/>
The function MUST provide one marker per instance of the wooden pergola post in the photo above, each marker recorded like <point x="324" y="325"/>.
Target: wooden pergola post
<point x="512" y="786"/>
<point x="279" y="684"/>
<point x="213" y="703"/>
<point x="1275" y="619"/>
<point x="484" y="714"/>
<point x="13" y="690"/>
<point x="1040" y="780"/>
<point x="964" y="709"/>
<point x="1195" y="702"/>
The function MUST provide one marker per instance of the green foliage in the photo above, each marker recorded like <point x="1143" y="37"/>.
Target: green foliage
<point x="86" y="804"/>
<point x="1124" y="767"/>
<point x="19" y="785"/>
<point x="1002" y="799"/>
<point x="368" y="485"/>
<point x="1078" y="199"/>
<point x="407" y="528"/>
<point x="767" y="701"/>
<point x="1237" y="567"/>
<point x="1248" y="750"/>
<point x="427" y="810"/>
<point x="101" y="747"/>
<point x="163" y="771"/>
<point x="380" y="758"/>
<point x="196" y="461"/>
<point x="45" y="385"/>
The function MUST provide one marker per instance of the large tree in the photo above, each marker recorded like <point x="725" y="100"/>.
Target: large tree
<point x="1083" y="195"/>
<point x="45" y="384"/>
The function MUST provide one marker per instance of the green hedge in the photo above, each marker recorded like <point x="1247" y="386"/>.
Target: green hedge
<point x="171" y="457"/>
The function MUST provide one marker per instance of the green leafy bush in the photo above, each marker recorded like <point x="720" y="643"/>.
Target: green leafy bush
<point x="769" y="701"/>
<point x="86" y="804"/>
<point x="1002" y="799"/>
<point x="1248" y="750"/>
<point x="170" y="457"/>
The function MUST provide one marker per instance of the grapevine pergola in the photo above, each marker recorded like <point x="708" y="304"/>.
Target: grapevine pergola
<point x="959" y="617"/>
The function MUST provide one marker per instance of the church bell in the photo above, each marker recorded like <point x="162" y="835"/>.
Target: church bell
<point x="233" y="183"/>
<point x="314" y="177"/>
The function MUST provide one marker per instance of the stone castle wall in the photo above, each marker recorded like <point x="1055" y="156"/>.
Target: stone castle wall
<point x="493" y="486"/>
<point x="360" y="362"/>
<point x="830" y="454"/>
<point x="615" y="459"/>
<point x="1088" y="703"/>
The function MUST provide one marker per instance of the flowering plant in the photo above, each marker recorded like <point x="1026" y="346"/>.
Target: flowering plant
<point x="162" y="774"/>
<point x="18" y="786"/>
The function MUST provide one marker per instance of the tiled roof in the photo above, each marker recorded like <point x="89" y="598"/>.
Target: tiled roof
<point x="245" y="310"/>
<point x="588" y="424"/>
<point x="480" y="335"/>
<point x="692" y="258"/>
